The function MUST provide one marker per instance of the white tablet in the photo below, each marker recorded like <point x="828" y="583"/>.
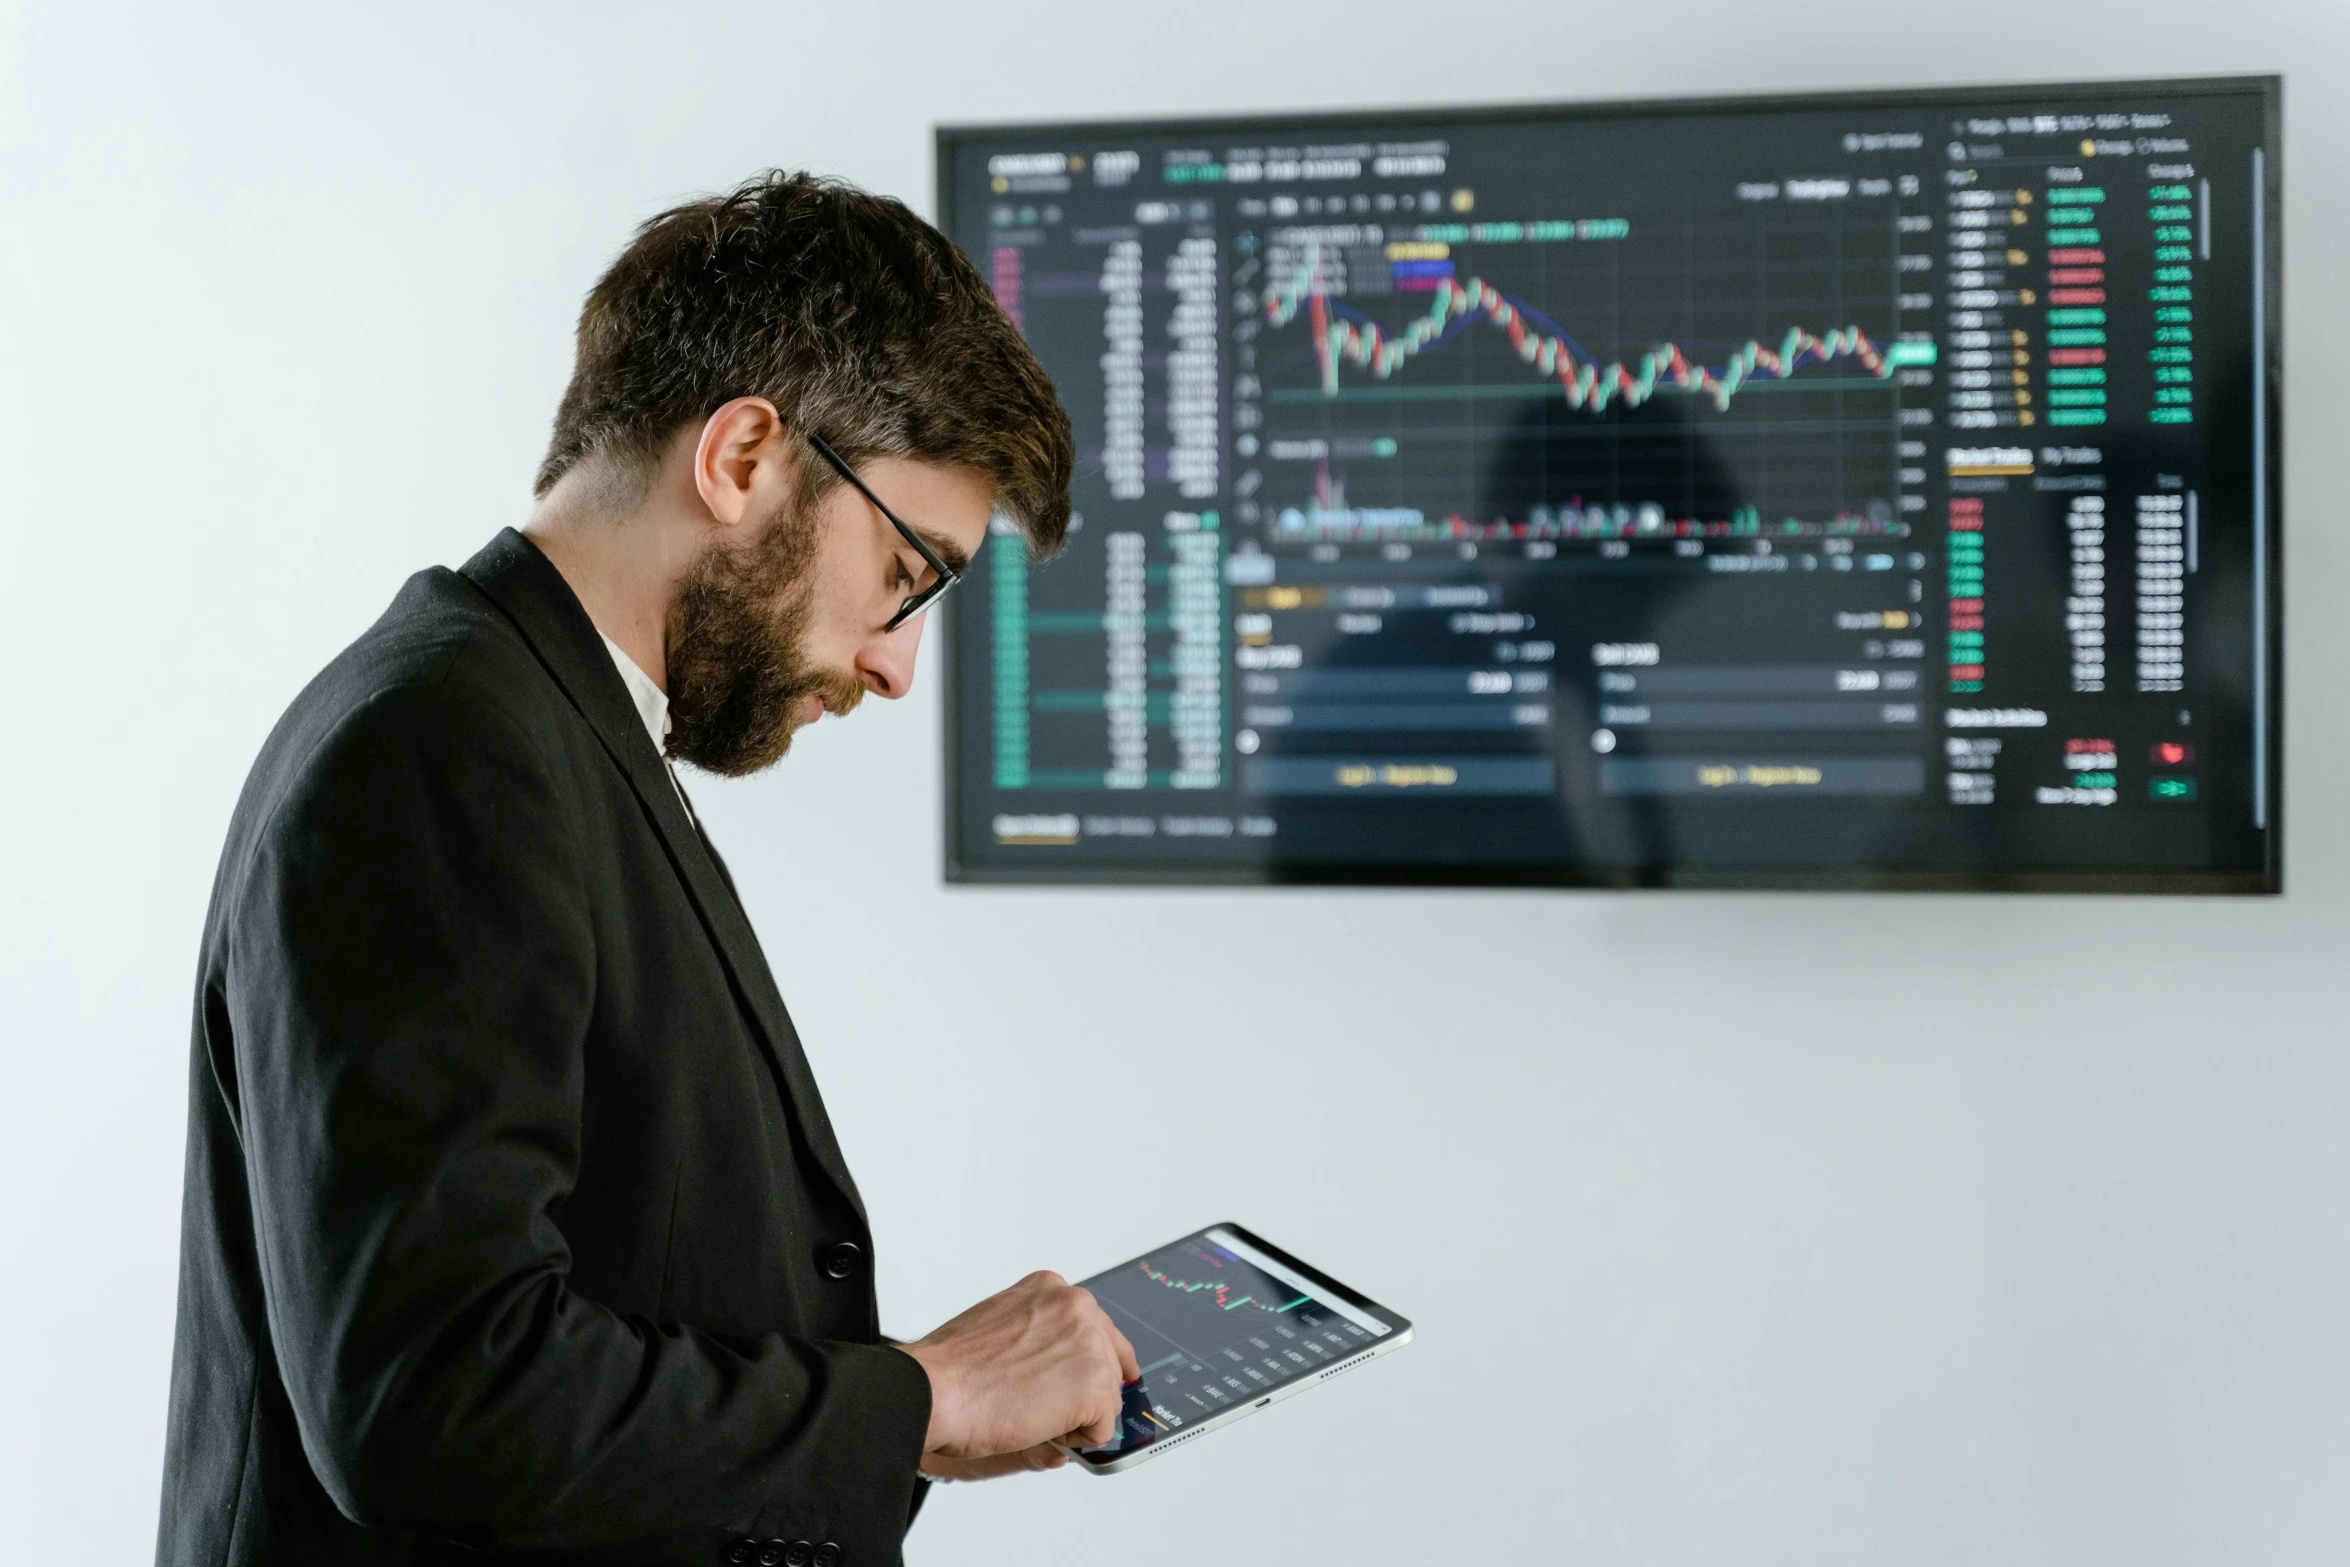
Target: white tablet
<point x="1223" y="1324"/>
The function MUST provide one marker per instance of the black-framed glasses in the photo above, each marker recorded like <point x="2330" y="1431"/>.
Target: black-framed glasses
<point x="922" y="598"/>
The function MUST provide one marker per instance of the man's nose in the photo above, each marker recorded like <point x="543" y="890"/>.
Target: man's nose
<point x="886" y="662"/>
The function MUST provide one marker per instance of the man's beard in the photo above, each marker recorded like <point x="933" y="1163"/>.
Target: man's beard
<point x="738" y="681"/>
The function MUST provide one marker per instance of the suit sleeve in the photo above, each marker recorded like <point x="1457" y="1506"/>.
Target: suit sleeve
<point x="410" y="978"/>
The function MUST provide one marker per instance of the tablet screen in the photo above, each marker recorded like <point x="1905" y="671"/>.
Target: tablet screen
<point x="1217" y="1323"/>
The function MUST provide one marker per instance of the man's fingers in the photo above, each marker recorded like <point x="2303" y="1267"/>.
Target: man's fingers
<point x="1100" y="1433"/>
<point x="1129" y="1367"/>
<point x="1044" y="1350"/>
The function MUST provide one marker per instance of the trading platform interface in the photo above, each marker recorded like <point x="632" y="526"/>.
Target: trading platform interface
<point x="1218" y="1325"/>
<point x="1859" y="491"/>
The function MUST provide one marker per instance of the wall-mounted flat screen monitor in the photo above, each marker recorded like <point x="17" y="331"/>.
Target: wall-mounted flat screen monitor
<point x="1864" y="491"/>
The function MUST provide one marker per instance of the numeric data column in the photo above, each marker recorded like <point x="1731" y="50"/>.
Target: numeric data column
<point x="2078" y="305"/>
<point x="2084" y="606"/>
<point x="1007" y="556"/>
<point x="1122" y="399"/>
<point x="1195" y="603"/>
<point x="1006" y="273"/>
<point x="1195" y="444"/>
<point x="2172" y="210"/>
<point x="1126" y="688"/>
<point x="1990" y="361"/>
<point x="1965" y="573"/>
<point x="2162" y="577"/>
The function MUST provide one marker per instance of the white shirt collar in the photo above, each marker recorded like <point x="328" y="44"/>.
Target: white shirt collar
<point x="652" y="703"/>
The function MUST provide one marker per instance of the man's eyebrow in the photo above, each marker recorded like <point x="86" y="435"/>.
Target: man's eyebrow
<point x="947" y="550"/>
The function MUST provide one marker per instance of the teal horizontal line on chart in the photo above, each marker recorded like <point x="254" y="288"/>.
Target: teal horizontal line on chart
<point x="1158" y="706"/>
<point x="1066" y="621"/>
<point x="1072" y="778"/>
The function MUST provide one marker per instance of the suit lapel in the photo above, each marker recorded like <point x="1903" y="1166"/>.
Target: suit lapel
<point x="533" y="594"/>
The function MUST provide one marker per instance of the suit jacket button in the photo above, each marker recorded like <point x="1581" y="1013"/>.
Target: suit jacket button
<point x="841" y="1261"/>
<point x="828" y="1555"/>
<point x="771" y="1553"/>
<point x="740" y="1553"/>
<point x="799" y="1555"/>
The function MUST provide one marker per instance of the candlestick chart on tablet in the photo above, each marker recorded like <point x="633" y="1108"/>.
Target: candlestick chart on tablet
<point x="1216" y="1328"/>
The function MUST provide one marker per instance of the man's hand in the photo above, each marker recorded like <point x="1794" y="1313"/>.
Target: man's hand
<point x="1038" y="1364"/>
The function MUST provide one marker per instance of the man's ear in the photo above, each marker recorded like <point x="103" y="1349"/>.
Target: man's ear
<point x="740" y="454"/>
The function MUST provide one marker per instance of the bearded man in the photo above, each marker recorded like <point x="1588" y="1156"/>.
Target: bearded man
<point x="515" y="1229"/>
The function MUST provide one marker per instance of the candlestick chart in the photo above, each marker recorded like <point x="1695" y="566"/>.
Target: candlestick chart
<point x="1345" y="335"/>
<point x="1712" y="376"/>
<point x="1220" y="1292"/>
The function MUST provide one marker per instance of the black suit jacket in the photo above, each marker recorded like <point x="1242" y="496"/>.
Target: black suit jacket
<point x="513" y="1216"/>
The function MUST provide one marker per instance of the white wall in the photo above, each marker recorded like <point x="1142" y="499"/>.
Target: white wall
<point x="1826" y="1230"/>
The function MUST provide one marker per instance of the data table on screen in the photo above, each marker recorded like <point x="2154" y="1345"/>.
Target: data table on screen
<point x="1868" y="491"/>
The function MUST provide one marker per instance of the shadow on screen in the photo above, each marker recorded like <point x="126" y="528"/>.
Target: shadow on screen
<point x="1657" y="454"/>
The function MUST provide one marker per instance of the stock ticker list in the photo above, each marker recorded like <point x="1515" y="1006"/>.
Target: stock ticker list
<point x="1814" y="487"/>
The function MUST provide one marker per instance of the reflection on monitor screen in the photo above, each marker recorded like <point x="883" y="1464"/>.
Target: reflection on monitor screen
<point x="1870" y="491"/>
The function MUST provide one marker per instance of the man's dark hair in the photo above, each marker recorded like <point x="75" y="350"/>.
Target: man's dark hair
<point x="859" y="321"/>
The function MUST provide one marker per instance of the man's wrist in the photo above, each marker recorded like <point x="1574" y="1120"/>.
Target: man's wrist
<point x="945" y="1402"/>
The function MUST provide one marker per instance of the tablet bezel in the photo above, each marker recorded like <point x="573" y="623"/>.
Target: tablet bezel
<point x="1399" y="1334"/>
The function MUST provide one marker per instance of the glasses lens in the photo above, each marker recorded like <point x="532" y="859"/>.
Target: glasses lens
<point x="920" y="602"/>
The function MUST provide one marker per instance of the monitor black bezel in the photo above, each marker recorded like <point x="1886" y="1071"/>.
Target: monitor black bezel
<point x="2267" y="879"/>
<point x="1399" y="1327"/>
